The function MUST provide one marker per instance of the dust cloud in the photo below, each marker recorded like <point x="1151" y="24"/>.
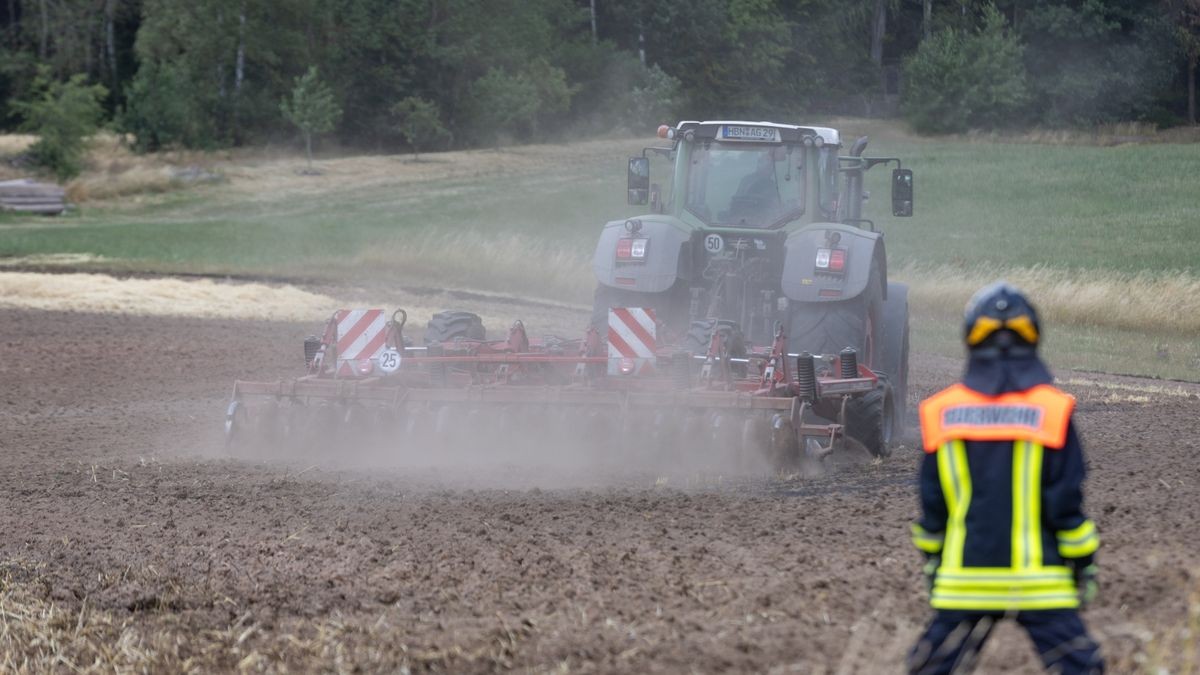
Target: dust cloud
<point x="522" y="446"/>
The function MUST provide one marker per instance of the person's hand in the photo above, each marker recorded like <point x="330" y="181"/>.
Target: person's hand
<point x="1086" y="584"/>
<point x="930" y="570"/>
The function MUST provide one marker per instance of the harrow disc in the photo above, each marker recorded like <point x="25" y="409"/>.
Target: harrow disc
<point x="235" y="423"/>
<point x="784" y="448"/>
<point x="752" y="451"/>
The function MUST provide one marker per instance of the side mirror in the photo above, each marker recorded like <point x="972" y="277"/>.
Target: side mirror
<point x="638" y="192"/>
<point x="902" y="193"/>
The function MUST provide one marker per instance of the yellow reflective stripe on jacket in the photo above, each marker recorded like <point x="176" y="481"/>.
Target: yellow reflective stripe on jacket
<point x="1002" y="588"/>
<point x="956" y="488"/>
<point x="927" y="541"/>
<point x="985" y="604"/>
<point x="1078" y="542"/>
<point x="1027" y="505"/>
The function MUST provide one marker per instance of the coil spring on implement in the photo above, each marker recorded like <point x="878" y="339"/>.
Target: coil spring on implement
<point x="312" y="344"/>
<point x="681" y="367"/>
<point x="806" y="376"/>
<point x="849" y="359"/>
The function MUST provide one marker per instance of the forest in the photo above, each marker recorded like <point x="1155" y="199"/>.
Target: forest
<point x="393" y="75"/>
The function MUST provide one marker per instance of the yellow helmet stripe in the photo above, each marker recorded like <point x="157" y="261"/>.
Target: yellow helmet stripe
<point x="1023" y="326"/>
<point x="984" y="326"/>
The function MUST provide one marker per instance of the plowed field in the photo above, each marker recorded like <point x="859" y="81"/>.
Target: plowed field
<point x="131" y="542"/>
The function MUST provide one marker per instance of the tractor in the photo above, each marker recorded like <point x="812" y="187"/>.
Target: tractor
<point x="759" y="230"/>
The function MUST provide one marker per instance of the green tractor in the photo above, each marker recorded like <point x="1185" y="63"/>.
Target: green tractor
<point x="758" y="232"/>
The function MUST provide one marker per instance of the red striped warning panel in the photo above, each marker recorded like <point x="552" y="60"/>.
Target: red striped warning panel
<point x="361" y="336"/>
<point x="631" y="341"/>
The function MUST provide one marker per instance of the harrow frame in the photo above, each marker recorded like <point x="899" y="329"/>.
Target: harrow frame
<point x="517" y="371"/>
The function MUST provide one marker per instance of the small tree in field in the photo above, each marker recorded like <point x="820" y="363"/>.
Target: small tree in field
<point x="418" y="121"/>
<point x="63" y="115"/>
<point x="311" y="108"/>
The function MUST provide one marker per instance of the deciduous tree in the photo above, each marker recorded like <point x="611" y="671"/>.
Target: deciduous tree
<point x="311" y="108"/>
<point x="420" y="123"/>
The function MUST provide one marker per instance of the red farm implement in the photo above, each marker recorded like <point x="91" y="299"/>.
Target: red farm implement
<point x="624" y="389"/>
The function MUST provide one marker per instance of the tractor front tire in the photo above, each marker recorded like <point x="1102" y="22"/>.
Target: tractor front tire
<point x="448" y="325"/>
<point x="870" y="419"/>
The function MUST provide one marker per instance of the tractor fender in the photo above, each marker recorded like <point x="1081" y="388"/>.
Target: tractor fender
<point x="666" y="255"/>
<point x="803" y="282"/>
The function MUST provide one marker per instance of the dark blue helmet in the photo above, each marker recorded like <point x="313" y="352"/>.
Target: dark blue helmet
<point x="1000" y="317"/>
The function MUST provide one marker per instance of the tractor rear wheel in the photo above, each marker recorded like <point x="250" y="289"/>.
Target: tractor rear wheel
<point x="830" y="327"/>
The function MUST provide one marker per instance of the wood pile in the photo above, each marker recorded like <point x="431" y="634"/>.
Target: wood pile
<point x="30" y="196"/>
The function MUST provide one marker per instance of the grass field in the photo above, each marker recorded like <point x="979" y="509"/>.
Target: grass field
<point x="1105" y="237"/>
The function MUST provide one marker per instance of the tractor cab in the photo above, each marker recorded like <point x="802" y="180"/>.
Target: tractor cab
<point x="760" y="175"/>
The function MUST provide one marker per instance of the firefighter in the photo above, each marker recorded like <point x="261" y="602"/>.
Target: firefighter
<point x="1002" y="525"/>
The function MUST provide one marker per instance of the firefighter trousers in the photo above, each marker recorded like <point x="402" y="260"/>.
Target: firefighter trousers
<point x="953" y="639"/>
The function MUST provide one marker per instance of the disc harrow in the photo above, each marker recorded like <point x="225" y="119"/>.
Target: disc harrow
<point x="369" y="386"/>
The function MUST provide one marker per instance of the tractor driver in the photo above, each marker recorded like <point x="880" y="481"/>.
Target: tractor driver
<point x="758" y="191"/>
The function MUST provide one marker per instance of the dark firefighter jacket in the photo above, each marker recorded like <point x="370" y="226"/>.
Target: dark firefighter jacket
<point x="1001" y="499"/>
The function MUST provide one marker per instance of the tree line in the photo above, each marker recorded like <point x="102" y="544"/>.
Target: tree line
<point x="431" y="74"/>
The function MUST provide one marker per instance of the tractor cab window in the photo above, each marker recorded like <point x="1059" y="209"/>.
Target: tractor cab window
<point x="746" y="185"/>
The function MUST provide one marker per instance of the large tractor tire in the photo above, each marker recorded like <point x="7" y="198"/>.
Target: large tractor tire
<point x="895" y="351"/>
<point x="830" y="327"/>
<point x="697" y="338"/>
<point x="448" y="325"/>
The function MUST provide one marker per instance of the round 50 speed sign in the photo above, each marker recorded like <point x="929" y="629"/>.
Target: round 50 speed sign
<point x="713" y="243"/>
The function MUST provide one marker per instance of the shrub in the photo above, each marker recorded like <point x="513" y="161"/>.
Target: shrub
<point x="160" y="110"/>
<point x="655" y="98"/>
<point x="503" y="103"/>
<point x="62" y="115"/>
<point x="419" y="122"/>
<point x="520" y="103"/>
<point x="959" y="80"/>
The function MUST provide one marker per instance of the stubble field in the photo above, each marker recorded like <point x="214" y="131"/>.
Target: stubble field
<point x="132" y="543"/>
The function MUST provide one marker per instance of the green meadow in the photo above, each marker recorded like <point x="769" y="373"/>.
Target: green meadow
<point x="1106" y="239"/>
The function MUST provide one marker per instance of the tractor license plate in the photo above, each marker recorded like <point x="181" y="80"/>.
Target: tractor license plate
<point x="732" y="133"/>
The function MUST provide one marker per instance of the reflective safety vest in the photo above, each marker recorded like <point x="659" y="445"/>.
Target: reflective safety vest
<point x="1039" y="415"/>
<point x="1004" y="514"/>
